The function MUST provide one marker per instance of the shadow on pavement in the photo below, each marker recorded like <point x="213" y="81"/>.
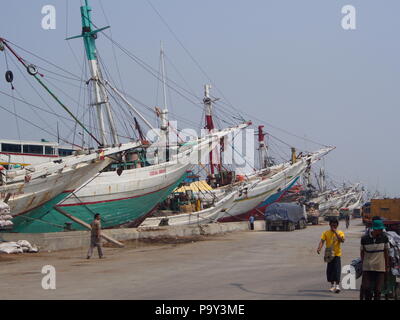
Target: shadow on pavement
<point x="308" y="293"/>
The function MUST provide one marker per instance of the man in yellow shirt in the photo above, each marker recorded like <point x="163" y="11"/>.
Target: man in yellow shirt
<point x="333" y="239"/>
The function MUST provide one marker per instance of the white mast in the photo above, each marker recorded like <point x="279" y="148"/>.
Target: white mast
<point x="164" y="112"/>
<point x="101" y="98"/>
<point x="109" y="114"/>
<point x="322" y="179"/>
<point x="100" y="95"/>
<point x="98" y="99"/>
<point x="164" y="123"/>
<point x="163" y="77"/>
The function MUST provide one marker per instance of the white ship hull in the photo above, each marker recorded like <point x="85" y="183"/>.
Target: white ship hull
<point x="205" y="216"/>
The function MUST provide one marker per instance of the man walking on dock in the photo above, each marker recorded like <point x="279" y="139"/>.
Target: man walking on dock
<point x="95" y="237"/>
<point x="251" y="222"/>
<point x="333" y="252"/>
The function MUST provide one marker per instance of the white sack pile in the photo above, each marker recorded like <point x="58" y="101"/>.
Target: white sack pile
<point x="20" y="246"/>
<point x="5" y="217"/>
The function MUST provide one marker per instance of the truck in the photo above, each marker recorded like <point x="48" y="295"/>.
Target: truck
<point x="312" y="211"/>
<point x="285" y="217"/>
<point x="357" y="213"/>
<point x="387" y="209"/>
<point x="343" y="213"/>
<point x="332" y="214"/>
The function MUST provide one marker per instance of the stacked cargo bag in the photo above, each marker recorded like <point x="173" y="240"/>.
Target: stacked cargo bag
<point x="394" y="252"/>
<point x="357" y="265"/>
<point x="20" y="246"/>
<point x="5" y="217"/>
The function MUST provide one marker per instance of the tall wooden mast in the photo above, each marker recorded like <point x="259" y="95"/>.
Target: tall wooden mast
<point x="101" y="100"/>
<point x="209" y="120"/>
<point x="262" y="149"/>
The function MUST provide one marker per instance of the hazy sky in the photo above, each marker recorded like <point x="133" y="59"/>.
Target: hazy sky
<point x="288" y="62"/>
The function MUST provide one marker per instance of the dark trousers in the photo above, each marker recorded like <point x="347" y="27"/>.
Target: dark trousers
<point x="333" y="270"/>
<point x="371" y="285"/>
<point x="95" y="242"/>
<point x="347" y="218"/>
<point x="251" y="225"/>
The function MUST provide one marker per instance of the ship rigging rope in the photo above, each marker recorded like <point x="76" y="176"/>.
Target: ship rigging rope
<point x="62" y="81"/>
<point x="155" y="73"/>
<point x="149" y="68"/>
<point x="152" y="110"/>
<point x="31" y="123"/>
<point x="181" y="76"/>
<point x="59" y="74"/>
<point x="127" y="52"/>
<point x="239" y="110"/>
<point x="44" y="60"/>
<point x="278" y="128"/>
<point x="14" y="106"/>
<point x="83" y="69"/>
<point x="277" y="150"/>
<point x="37" y="93"/>
<point x="245" y="160"/>
<point x="332" y="177"/>
<point x="125" y="113"/>
<point x="157" y="76"/>
<point x="183" y="46"/>
<point x="82" y="91"/>
<point x="113" y="49"/>
<point x="46" y="111"/>
<point x="23" y="62"/>
<point x="120" y="117"/>
<point x="85" y="90"/>
<point x="31" y="107"/>
<point x="66" y="36"/>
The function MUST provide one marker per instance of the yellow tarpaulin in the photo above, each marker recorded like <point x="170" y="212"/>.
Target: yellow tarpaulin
<point x="195" y="187"/>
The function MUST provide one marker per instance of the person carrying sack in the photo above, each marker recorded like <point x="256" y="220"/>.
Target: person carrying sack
<point x="333" y="252"/>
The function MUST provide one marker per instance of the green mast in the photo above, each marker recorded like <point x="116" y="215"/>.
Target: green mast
<point x="89" y="36"/>
<point x="99" y="92"/>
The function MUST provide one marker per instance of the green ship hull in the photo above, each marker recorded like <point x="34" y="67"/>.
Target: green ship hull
<point x="113" y="213"/>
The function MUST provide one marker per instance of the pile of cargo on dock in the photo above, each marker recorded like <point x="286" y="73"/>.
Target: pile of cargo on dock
<point x="5" y="217"/>
<point x="20" y="246"/>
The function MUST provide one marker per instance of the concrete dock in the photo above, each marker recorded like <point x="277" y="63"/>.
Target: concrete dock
<point x="237" y="265"/>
